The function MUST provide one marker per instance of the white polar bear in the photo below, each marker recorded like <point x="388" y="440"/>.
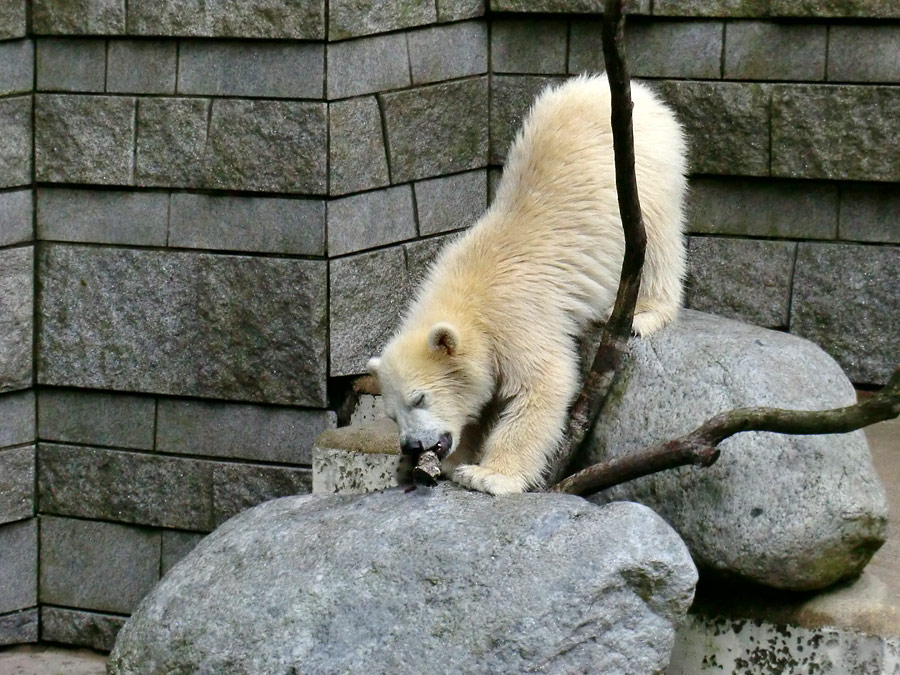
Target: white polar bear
<point x="498" y="316"/>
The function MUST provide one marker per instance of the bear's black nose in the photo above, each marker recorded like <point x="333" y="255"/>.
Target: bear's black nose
<point x="414" y="448"/>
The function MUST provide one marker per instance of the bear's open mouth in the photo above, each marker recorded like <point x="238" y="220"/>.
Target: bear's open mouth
<point x="442" y="447"/>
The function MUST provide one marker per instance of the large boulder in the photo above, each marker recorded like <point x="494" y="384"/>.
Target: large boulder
<point x="792" y="512"/>
<point x="432" y="581"/>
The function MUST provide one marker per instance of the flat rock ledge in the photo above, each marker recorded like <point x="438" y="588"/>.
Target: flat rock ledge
<point x="431" y="581"/>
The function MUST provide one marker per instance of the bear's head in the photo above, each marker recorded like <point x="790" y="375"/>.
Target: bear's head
<point x="434" y="381"/>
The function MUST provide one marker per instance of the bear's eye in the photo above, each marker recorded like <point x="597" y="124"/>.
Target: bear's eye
<point x="418" y="401"/>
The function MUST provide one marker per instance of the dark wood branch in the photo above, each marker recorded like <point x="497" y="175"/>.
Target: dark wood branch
<point x="700" y="447"/>
<point x="609" y="353"/>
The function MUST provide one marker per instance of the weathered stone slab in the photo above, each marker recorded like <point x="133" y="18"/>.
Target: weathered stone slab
<point x="78" y="17"/>
<point x="869" y="53"/>
<point x="437" y="129"/>
<point x="764" y="50"/>
<point x="511" y="96"/>
<point x="189" y="324"/>
<point x="723" y="8"/>
<point x="19" y="627"/>
<point x="125" y="486"/>
<point x="451" y="202"/>
<point x="368" y="65"/>
<point x="371" y="219"/>
<point x="175" y="546"/>
<point x="837" y="132"/>
<point x="605" y="588"/>
<point x="845" y="299"/>
<point x="84" y="139"/>
<point x="69" y="64"/>
<point x="448" y="52"/>
<point x="238" y="487"/>
<point x="350" y="18"/>
<point x="870" y="213"/>
<point x="883" y="9"/>
<point x="241" y="431"/>
<point x="533" y="46"/>
<point x="93" y="565"/>
<point x="12" y="19"/>
<point x="17" y="423"/>
<point x="690" y="49"/>
<point x="565" y="6"/>
<point x="16" y="318"/>
<point x="357" y="158"/>
<point x="142" y="66"/>
<point x="171" y="141"/>
<point x="15" y="142"/>
<point x="454" y="10"/>
<point x="359" y="458"/>
<point x="16" y="66"/>
<point x="18" y="565"/>
<point x="16" y="217"/>
<point x="97" y="418"/>
<point x="16" y="484"/>
<point x="791" y="512"/>
<point x="420" y="255"/>
<point x="586" y="47"/>
<point x="80" y="629"/>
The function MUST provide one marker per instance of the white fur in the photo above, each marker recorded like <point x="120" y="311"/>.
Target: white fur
<point x="515" y="289"/>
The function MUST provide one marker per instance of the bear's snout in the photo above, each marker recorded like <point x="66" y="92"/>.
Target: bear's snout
<point x="415" y="447"/>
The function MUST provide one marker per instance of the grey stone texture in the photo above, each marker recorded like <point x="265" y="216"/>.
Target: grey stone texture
<point x="437" y="129"/>
<point x="15" y="142"/>
<point x="239" y="431"/>
<point x="757" y="50"/>
<point x="19" y="627"/>
<point x="867" y="53"/>
<point x="270" y="69"/>
<point x="762" y="208"/>
<point x="238" y="487"/>
<point x="16" y="318"/>
<point x="883" y="9"/>
<point x="352" y="18"/>
<point x="525" y="45"/>
<point x="102" y="217"/>
<point x="142" y="66"/>
<point x="100" y="566"/>
<point x="836" y="132"/>
<point x="565" y="6"/>
<point x="870" y="212"/>
<point x="125" y="486"/>
<point x="195" y="324"/>
<point x="258" y="224"/>
<point x="606" y="587"/>
<point x="360" y="458"/>
<point x="727" y="124"/>
<point x="84" y="139"/>
<point x="585" y="47"/>
<point x="16" y="484"/>
<point x="70" y="64"/>
<point x="81" y="629"/>
<point x="371" y="219"/>
<point x="690" y="49"/>
<point x="846" y="299"/>
<point x="16" y="217"/>
<point x="175" y="546"/>
<point x="511" y="96"/>
<point x="18" y="565"/>
<point x="369" y="65"/>
<point x="356" y="152"/>
<point x="171" y="141"/>
<point x="790" y="512"/>
<point x="13" y="15"/>
<point x="17" y="418"/>
<point x="745" y="279"/>
<point x="16" y="66"/>
<point x="275" y="19"/>
<point x="447" y="52"/>
<point x="96" y="418"/>
<point x="451" y="202"/>
<point x="454" y="10"/>
<point x="78" y="17"/>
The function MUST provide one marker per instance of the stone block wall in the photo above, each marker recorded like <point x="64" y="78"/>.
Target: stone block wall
<point x="212" y="213"/>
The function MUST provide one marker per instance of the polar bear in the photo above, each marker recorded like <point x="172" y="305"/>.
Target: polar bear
<point x="498" y="316"/>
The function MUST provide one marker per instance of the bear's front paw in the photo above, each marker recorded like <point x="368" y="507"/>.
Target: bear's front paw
<point x="487" y="480"/>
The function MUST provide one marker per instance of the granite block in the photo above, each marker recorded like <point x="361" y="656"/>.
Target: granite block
<point x="757" y="50"/>
<point x="585" y="47"/>
<point x="78" y="17"/>
<point x="566" y="6"/>
<point x="13" y="24"/>
<point x="19" y="627"/>
<point x="447" y="52"/>
<point x="351" y="18"/>
<point x="171" y="141"/>
<point x="722" y="8"/>
<point x="16" y="66"/>
<point x="18" y="565"/>
<point x="71" y="64"/>
<point x="239" y="487"/>
<point x="371" y="219"/>
<point x="17" y="418"/>
<point x="684" y="49"/>
<point x="141" y="66"/>
<point x="874" y="9"/>
<point x="420" y="255"/>
<point x="176" y="545"/>
<point x="455" y="10"/>
<point x="16" y="484"/>
<point x="80" y="629"/>
<point x="357" y="157"/>
<point x="525" y="45"/>
<point x="16" y="217"/>
<point x="511" y="97"/>
<point x="15" y="141"/>
<point x="16" y="317"/>
<point x="870" y="212"/>
<point x="451" y="202"/>
<point x="865" y="53"/>
<point x="369" y="65"/>
<point x="96" y="418"/>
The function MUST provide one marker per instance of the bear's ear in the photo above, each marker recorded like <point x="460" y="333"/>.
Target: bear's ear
<point x="443" y="337"/>
<point x="373" y="365"/>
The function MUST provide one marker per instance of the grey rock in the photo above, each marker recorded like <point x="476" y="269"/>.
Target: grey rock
<point x="258" y="224"/>
<point x="12" y="19"/>
<point x="605" y="588"/>
<point x="241" y="431"/>
<point x="93" y="565"/>
<point x="849" y="314"/>
<point x="420" y="255"/>
<point x="175" y="546"/>
<point x="68" y="64"/>
<point x="352" y="18"/>
<point x="727" y="124"/>
<point x="126" y="487"/>
<point x="368" y="65"/>
<point x="16" y="217"/>
<point x="97" y="418"/>
<point x="690" y="49"/>
<point x="171" y="141"/>
<point x="357" y="158"/>
<point x="78" y="17"/>
<point x="746" y="279"/>
<point x="836" y="132"/>
<point x="102" y="217"/>
<point x="783" y="208"/>
<point x="15" y="142"/>
<point x="511" y="96"/>
<point x="864" y="53"/>
<point x="181" y="323"/>
<point x="765" y="50"/>
<point x="19" y="627"/>
<point x="565" y="6"/>
<point x="238" y="487"/>
<point x="437" y="129"/>
<point x="17" y="412"/>
<point x="16" y="484"/>
<point x="451" y="202"/>
<point x="447" y="52"/>
<point x="870" y="213"/>
<point x="18" y="565"/>
<point x="84" y="139"/>
<point x="371" y="219"/>
<point x="80" y="629"/>
<point x="142" y="66"/>
<point x="16" y="66"/>
<point x="883" y="9"/>
<point x="586" y="47"/>
<point x="533" y="46"/>
<point x="16" y="317"/>
<point x="454" y="10"/>
<point x="723" y="8"/>
<point x="792" y="512"/>
<point x="275" y="70"/>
